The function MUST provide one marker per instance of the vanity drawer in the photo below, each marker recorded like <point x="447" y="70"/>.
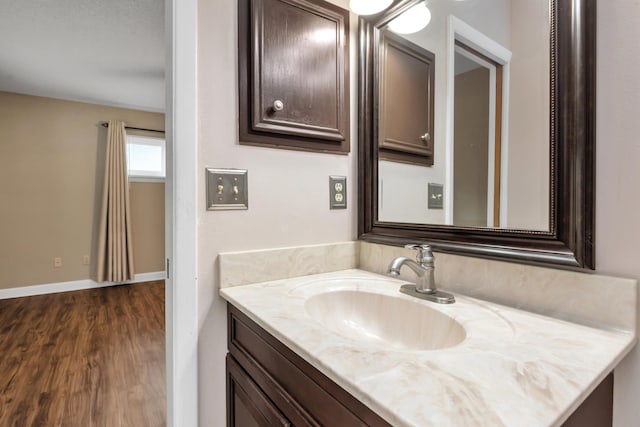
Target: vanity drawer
<point x="303" y="394"/>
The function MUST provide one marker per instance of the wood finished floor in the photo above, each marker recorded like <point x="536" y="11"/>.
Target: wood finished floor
<point x="85" y="358"/>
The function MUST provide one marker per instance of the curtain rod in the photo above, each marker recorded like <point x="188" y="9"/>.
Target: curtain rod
<point x="106" y="125"/>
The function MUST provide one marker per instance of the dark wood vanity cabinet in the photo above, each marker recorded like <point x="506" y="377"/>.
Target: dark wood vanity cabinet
<point x="294" y="74"/>
<point x="269" y="385"/>
<point x="406" y="101"/>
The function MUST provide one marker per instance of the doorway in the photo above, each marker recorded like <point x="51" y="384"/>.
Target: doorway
<point x="180" y="77"/>
<point x="477" y="138"/>
<point x="478" y="73"/>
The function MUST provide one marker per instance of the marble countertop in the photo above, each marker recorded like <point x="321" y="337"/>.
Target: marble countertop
<point x="514" y="368"/>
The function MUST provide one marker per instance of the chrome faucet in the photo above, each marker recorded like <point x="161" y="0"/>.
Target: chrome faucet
<point x="424" y="268"/>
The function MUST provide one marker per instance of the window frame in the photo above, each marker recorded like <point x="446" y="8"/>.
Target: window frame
<point x="136" y="175"/>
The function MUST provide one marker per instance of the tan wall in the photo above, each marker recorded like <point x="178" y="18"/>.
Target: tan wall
<point x="147" y="212"/>
<point x="49" y="162"/>
<point x="471" y="148"/>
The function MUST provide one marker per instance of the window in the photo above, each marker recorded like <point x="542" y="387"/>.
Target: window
<point x="145" y="158"/>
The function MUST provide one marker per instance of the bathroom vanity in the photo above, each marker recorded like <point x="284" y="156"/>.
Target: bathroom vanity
<point x="522" y="346"/>
<point x="346" y="348"/>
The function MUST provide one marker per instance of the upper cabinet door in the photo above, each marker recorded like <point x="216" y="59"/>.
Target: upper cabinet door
<point x="406" y="101"/>
<point x="294" y="80"/>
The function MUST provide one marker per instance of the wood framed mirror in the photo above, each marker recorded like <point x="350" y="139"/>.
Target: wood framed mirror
<point x="563" y="130"/>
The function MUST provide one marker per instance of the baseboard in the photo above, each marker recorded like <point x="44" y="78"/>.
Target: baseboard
<point x="76" y="285"/>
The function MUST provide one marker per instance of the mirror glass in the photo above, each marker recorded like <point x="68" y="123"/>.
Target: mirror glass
<point x="464" y="116"/>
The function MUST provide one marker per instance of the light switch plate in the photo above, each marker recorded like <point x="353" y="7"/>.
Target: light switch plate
<point x="337" y="192"/>
<point x="227" y="189"/>
<point x="435" y="196"/>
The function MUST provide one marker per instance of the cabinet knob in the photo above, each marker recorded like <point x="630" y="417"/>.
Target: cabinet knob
<point x="426" y="137"/>
<point x="278" y="105"/>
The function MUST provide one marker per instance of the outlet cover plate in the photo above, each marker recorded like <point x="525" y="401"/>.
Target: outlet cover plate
<point x="337" y="192"/>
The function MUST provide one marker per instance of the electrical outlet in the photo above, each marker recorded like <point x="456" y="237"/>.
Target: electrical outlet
<point x="85" y="260"/>
<point x="338" y="192"/>
<point x="57" y="262"/>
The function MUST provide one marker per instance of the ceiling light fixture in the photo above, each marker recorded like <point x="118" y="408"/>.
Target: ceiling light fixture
<point x="412" y="20"/>
<point x="368" y="7"/>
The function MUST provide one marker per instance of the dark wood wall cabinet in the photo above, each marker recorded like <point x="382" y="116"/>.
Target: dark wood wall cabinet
<point x="293" y="62"/>
<point x="270" y="385"/>
<point x="405" y="101"/>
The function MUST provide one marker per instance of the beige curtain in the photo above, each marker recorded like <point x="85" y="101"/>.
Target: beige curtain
<point x="115" y="249"/>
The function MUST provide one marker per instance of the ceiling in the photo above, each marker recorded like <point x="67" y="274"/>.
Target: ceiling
<point x="106" y="52"/>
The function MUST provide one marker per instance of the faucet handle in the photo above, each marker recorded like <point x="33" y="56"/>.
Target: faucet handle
<point x="424" y="255"/>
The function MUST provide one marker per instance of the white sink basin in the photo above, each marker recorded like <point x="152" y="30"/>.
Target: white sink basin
<point x="391" y="321"/>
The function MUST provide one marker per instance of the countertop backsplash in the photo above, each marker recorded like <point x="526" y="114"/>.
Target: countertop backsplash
<point x="587" y="299"/>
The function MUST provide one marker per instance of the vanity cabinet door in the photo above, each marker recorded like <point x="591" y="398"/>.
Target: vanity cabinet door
<point x="247" y="405"/>
<point x="293" y="63"/>
<point x="406" y="101"/>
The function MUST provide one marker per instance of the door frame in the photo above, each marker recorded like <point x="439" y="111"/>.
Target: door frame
<point x="181" y="290"/>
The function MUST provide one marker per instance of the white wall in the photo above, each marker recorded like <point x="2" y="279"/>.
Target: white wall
<point x="403" y="191"/>
<point x="288" y="213"/>
<point x="528" y="151"/>
<point x="618" y="172"/>
<point x="288" y="191"/>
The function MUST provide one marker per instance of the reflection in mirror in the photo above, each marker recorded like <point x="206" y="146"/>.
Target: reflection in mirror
<point x="476" y="116"/>
<point x="487" y="159"/>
